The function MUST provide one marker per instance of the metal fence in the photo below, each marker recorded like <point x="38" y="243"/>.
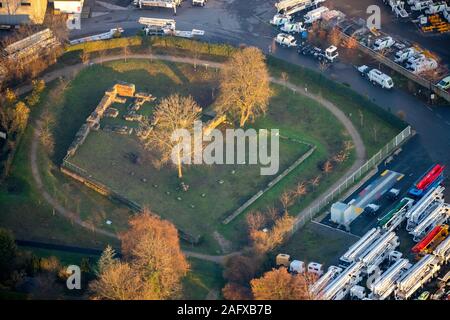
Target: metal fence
<point x="373" y="162"/>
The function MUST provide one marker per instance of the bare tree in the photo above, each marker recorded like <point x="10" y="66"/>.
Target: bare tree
<point x="245" y="87"/>
<point x="361" y="117"/>
<point x="264" y="241"/>
<point x="47" y="140"/>
<point x="84" y="56"/>
<point x="118" y="282"/>
<point x="375" y="133"/>
<point x="315" y="182"/>
<point x="126" y="50"/>
<point x="348" y="145"/>
<point x="285" y="78"/>
<point x="327" y="167"/>
<point x="58" y="24"/>
<point x="12" y="6"/>
<point x="173" y="113"/>
<point x="287" y="199"/>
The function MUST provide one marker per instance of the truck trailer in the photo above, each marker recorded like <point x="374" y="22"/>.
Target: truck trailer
<point x="375" y="76"/>
<point x="315" y="15"/>
<point x="291" y="7"/>
<point x="172" y="4"/>
<point x="428" y="180"/>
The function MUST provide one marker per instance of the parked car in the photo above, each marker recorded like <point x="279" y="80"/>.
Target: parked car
<point x="444" y="84"/>
<point x="424" y="295"/>
<point x="372" y="208"/>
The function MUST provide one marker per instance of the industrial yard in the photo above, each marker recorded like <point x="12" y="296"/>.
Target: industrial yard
<point x="359" y="208"/>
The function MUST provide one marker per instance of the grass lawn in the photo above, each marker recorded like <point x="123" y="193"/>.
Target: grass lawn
<point x="377" y="127"/>
<point x="105" y="156"/>
<point x="317" y="243"/>
<point x="203" y="277"/>
<point x="66" y="258"/>
<point x="71" y="102"/>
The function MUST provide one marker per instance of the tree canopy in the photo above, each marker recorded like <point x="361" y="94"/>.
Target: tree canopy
<point x="245" y="86"/>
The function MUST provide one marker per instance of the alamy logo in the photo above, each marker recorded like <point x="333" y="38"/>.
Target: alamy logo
<point x="374" y="19"/>
<point x="74" y="279"/>
<point x="214" y="148"/>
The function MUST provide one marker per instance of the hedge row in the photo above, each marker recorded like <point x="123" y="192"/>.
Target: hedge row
<point x="141" y="43"/>
<point x="102" y="45"/>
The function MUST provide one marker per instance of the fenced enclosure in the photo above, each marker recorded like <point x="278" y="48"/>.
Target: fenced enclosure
<point x="372" y="163"/>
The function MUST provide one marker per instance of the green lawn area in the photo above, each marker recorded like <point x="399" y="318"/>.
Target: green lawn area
<point x="317" y="243"/>
<point x="66" y="258"/>
<point x="203" y="277"/>
<point x="377" y="126"/>
<point x="71" y="102"/>
<point x="104" y="155"/>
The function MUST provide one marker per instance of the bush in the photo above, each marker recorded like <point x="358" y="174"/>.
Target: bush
<point x="102" y="45"/>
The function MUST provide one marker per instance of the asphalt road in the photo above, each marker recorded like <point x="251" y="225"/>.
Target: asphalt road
<point x="245" y="22"/>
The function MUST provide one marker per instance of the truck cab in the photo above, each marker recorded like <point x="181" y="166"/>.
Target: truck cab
<point x="331" y="53"/>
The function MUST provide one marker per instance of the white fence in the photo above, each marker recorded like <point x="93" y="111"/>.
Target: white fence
<point x="308" y="215"/>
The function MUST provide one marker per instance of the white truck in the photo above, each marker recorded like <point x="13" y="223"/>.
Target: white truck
<point x="293" y="27"/>
<point x="328" y="55"/>
<point x="166" y="27"/>
<point x="315" y="15"/>
<point x="291" y="7"/>
<point x="280" y="20"/>
<point x="102" y="36"/>
<point x="376" y="77"/>
<point x="286" y="40"/>
<point x="155" y="26"/>
<point x="383" y="43"/>
<point x="200" y="3"/>
<point x="172" y="4"/>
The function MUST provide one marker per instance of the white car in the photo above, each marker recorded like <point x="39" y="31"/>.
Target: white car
<point x="444" y="84"/>
<point x="286" y="40"/>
